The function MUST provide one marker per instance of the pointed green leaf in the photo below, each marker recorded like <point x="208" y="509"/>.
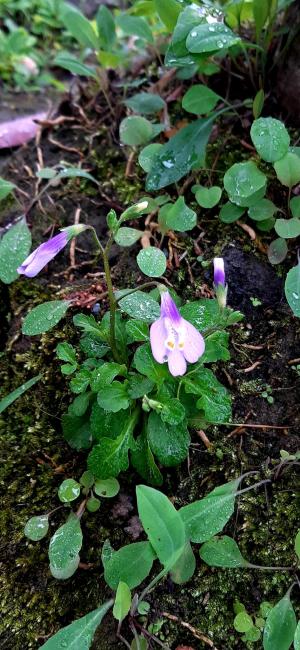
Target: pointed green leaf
<point x="222" y="552"/>
<point x="185" y="566"/>
<point x="130" y="564"/>
<point x="43" y="317"/>
<point x="280" y="626"/>
<point x="122" y="602"/>
<point x="80" y="633"/>
<point x="207" y="517"/>
<point x="18" y="392"/>
<point x="162" y="524"/>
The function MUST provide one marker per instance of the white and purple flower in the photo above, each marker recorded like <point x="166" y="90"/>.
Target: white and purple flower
<point x="39" y="258"/>
<point x="174" y="339"/>
<point x="220" y="282"/>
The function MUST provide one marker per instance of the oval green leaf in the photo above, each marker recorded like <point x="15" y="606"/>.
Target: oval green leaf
<point x="37" y="527"/>
<point x="14" y="248"/>
<point x="270" y="138"/>
<point x="69" y="490"/>
<point x="277" y="251"/>
<point x="280" y="626"/>
<point x="245" y="184"/>
<point x="288" y="169"/>
<point x="135" y="131"/>
<point x="292" y="289"/>
<point x="43" y="317"/>
<point x="222" y="552"/>
<point x="199" y="100"/>
<point x="287" y="228"/>
<point x="152" y="262"/>
<point x="130" y="564"/>
<point x="107" y="487"/>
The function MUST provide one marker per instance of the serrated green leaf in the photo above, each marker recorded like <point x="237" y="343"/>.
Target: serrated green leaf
<point x="110" y="457"/>
<point x="168" y="443"/>
<point x="144" y="362"/>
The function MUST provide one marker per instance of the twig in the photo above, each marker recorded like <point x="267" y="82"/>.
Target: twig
<point x="204" y="439"/>
<point x="196" y="633"/>
<point x="247" y="229"/>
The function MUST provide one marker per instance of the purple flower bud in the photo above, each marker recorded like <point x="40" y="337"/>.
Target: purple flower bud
<point x="48" y="250"/>
<point x="220" y="282"/>
<point x="219" y="271"/>
<point x="174" y="339"/>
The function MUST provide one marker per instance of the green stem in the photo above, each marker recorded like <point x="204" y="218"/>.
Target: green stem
<point x="151" y="584"/>
<point x="140" y="288"/>
<point x="110" y="291"/>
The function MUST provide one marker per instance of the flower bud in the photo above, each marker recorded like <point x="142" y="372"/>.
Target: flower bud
<point x="220" y="282"/>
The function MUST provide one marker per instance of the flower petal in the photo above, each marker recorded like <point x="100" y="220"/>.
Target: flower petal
<point x="194" y="345"/>
<point x="176" y="363"/>
<point x="157" y="340"/>
<point x="42" y="255"/>
<point x="219" y="271"/>
<point x="168" y="309"/>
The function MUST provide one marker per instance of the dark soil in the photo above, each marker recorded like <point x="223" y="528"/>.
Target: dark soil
<point x="36" y="459"/>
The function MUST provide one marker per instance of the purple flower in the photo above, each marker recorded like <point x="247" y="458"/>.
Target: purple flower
<point x="174" y="339"/>
<point x="219" y="271"/>
<point x="220" y="282"/>
<point x="47" y="251"/>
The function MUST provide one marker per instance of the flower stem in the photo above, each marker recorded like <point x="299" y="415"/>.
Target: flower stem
<point x="110" y="291"/>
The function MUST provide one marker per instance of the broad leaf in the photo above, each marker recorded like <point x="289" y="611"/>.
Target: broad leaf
<point x="130" y="564"/>
<point x="222" y="552"/>
<point x="127" y="236"/>
<point x="145" y="103"/>
<point x="152" y="261"/>
<point x="71" y="63"/>
<point x="37" y="527"/>
<point x="169" y="443"/>
<point x="262" y="210"/>
<point x="180" y="217"/>
<point x="184" y="151"/>
<point x="214" y="399"/>
<point x="106" y="27"/>
<point x="168" y="11"/>
<point x="185" y="566"/>
<point x="135" y="26"/>
<point x="143" y="461"/>
<point x="207" y="517"/>
<point x="80" y="27"/>
<point x="69" y="490"/>
<point x="216" y="348"/>
<point x="104" y="375"/>
<point x="135" y="131"/>
<point x="137" y="331"/>
<point x="270" y="138"/>
<point x="297" y="637"/>
<point x="144" y="362"/>
<point x="277" y="251"/>
<point x="162" y="524"/>
<point x="110" y="457"/>
<point x="288" y="169"/>
<point x="6" y="187"/>
<point x="45" y="316"/>
<point x="208" y="197"/>
<point x="200" y="99"/>
<point x="14" y="248"/>
<point x="140" y="305"/>
<point x="107" y="488"/>
<point x="203" y="314"/>
<point x="287" y="228"/>
<point x="65" y="545"/>
<point x="211" y="38"/>
<point x="230" y="212"/>
<point x="292" y="289"/>
<point x="245" y="184"/>
<point x="280" y="626"/>
<point x="80" y="633"/>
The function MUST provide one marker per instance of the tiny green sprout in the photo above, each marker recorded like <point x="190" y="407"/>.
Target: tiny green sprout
<point x="255" y="301"/>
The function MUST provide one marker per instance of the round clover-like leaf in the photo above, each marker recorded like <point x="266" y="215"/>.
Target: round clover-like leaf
<point x="127" y="236"/>
<point x="288" y="169"/>
<point x="37" y="527"/>
<point x="245" y="184"/>
<point x="262" y="210"/>
<point x="243" y="622"/>
<point x="135" y="130"/>
<point x="277" y="251"/>
<point x="14" y="248"/>
<point x="199" y="100"/>
<point x="148" y="154"/>
<point x="230" y="212"/>
<point x="208" y="197"/>
<point x="93" y="504"/>
<point x="145" y="103"/>
<point x="270" y="138"/>
<point x="295" y="206"/>
<point x="108" y="487"/>
<point x="69" y="490"/>
<point x="287" y="228"/>
<point x="152" y="262"/>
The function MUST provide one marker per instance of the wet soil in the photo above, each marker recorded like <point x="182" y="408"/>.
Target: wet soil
<point x="264" y="352"/>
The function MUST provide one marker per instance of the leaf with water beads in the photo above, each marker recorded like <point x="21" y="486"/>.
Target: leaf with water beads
<point x="43" y="317"/>
<point x="211" y="38"/>
<point x="37" y="527"/>
<point x="152" y="262"/>
<point x="245" y="184"/>
<point x="222" y="552"/>
<point x="141" y="306"/>
<point x="292" y="289"/>
<point x="280" y="626"/>
<point x="79" y="634"/>
<point x="65" y="545"/>
<point x="14" y="248"/>
<point x="69" y="490"/>
<point x="270" y="138"/>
